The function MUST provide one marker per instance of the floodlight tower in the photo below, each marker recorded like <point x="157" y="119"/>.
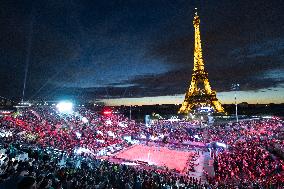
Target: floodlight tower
<point x="235" y="87"/>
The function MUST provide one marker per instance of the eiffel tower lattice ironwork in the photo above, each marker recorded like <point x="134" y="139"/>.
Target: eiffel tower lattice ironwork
<point x="199" y="92"/>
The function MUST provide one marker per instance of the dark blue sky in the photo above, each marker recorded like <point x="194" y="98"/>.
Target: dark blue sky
<point x="105" y="49"/>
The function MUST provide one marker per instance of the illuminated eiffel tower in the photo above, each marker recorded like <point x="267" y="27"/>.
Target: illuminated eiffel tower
<point x="199" y="93"/>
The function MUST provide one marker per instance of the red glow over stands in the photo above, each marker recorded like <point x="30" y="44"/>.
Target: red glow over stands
<point x="107" y="112"/>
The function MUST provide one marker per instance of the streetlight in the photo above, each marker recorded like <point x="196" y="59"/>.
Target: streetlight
<point x="130" y="108"/>
<point x="235" y="87"/>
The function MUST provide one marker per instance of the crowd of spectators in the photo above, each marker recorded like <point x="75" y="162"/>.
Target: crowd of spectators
<point x="41" y="170"/>
<point x="251" y="158"/>
<point x="247" y="160"/>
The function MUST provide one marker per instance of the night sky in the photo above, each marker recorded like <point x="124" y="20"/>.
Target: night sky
<point x="129" y="49"/>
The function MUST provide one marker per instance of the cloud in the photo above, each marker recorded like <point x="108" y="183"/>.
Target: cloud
<point x="111" y="48"/>
<point x="251" y="71"/>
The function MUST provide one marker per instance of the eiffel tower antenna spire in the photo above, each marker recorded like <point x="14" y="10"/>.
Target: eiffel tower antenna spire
<point x="200" y="92"/>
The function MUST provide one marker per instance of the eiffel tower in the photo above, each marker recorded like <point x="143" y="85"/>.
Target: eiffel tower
<point x="199" y="93"/>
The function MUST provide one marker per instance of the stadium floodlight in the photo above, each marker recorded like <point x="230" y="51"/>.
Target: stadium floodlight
<point x="108" y="122"/>
<point x="78" y="135"/>
<point x="65" y="107"/>
<point x="221" y="144"/>
<point x="84" y="120"/>
<point x="196" y="136"/>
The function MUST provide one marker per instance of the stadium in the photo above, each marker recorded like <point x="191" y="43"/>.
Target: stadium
<point x="64" y="143"/>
